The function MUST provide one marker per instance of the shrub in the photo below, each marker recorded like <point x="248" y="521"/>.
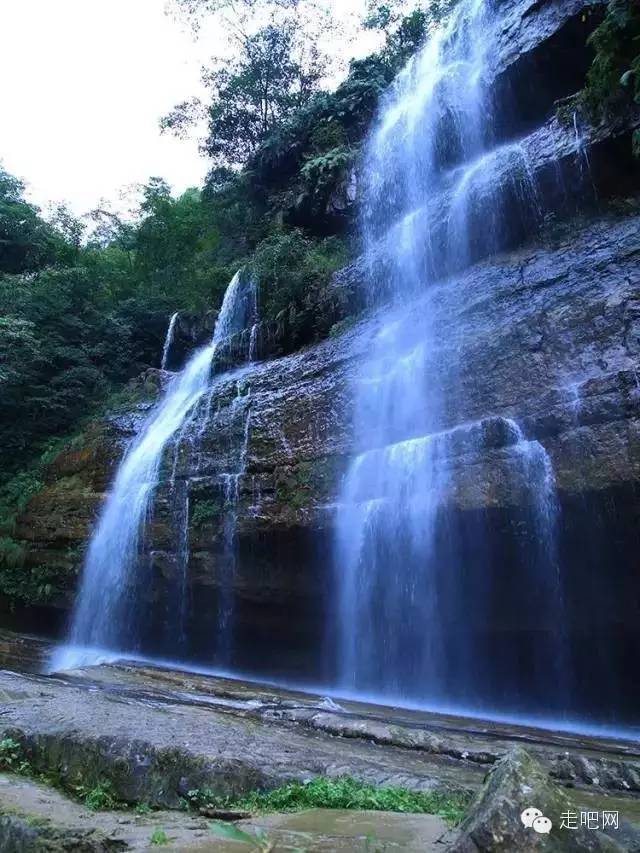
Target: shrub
<point x="341" y="793"/>
<point x="159" y="837"/>
<point x="613" y="81"/>
<point x="100" y="797"/>
<point x="292" y="268"/>
<point x="12" y="756"/>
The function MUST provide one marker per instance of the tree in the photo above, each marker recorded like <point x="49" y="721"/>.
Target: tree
<point x="235" y="13"/>
<point x="175" y="245"/>
<point x="275" y="68"/>
<point x="405" y="28"/>
<point x="265" y="85"/>
<point x="27" y="242"/>
<point x="69" y="226"/>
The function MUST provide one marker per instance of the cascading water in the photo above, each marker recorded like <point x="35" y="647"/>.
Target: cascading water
<point x="166" y="349"/>
<point x="231" y="481"/>
<point x="412" y="575"/>
<point x="107" y="612"/>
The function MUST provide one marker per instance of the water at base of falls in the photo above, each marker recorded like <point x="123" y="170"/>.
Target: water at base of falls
<point x="108" y="613"/>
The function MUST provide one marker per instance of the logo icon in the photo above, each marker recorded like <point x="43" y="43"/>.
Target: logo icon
<point x="534" y="819"/>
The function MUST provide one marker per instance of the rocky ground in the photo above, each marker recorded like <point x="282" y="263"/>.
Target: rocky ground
<point x="34" y="814"/>
<point x="154" y="734"/>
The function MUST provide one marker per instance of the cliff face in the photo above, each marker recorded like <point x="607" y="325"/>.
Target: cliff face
<point x="545" y="336"/>
<point x="548" y="336"/>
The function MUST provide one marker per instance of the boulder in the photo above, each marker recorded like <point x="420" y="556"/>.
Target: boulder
<point x="516" y="784"/>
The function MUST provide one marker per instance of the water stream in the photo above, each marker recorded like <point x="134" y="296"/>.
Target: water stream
<point x="414" y="610"/>
<point x="414" y="581"/>
<point x="108" y="613"/>
<point x="166" y="349"/>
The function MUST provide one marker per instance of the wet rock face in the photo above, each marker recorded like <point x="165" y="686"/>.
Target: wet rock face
<point x="191" y="331"/>
<point x="547" y="336"/>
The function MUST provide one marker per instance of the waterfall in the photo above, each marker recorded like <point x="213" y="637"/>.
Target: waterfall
<point x="168" y="341"/>
<point x="107" y="614"/>
<point x="413" y="572"/>
<point x="231" y="481"/>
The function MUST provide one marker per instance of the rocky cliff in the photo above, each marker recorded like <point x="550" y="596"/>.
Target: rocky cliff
<point x="545" y="343"/>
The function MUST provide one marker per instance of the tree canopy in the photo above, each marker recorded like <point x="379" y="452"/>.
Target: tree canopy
<point x="84" y="303"/>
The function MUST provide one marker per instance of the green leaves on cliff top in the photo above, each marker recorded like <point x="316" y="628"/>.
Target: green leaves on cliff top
<point x="613" y="81"/>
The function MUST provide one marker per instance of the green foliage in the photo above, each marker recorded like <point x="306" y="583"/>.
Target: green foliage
<point x="12" y="757"/>
<point x="33" y="584"/>
<point x="341" y="327"/>
<point x="613" y="81"/>
<point x="258" y="841"/>
<point x="271" y="76"/>
<point x="205" y="512"/>
<point x="78" y="321"/>
<point x="99" y="798"/>
<point x="27" y="242"/>
<point x="11" y="553"/>
<point x="341" y="793"/>
<point x="323" y="173"/>
<point x="292" y="269"/>
<point x="16" y="492"/>
<point x="159" y="838"/>
<point x="294" y="485"/>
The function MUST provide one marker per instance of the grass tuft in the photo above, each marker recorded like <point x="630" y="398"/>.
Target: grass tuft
<point x="159" y="838"/>
<point x="341" y="793"/>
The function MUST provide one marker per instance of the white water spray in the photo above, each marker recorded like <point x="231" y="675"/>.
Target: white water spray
<point x="106" y="615"/>
<point x="411" y="569"/>
<point x="168" y="341"/>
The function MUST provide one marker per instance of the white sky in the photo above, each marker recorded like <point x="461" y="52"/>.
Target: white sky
<point x="84" y="83"/>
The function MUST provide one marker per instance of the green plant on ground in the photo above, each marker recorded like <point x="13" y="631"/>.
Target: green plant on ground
<point x="294" y="485"/>
<point x="259" y="841"/>
<point x="34" y="585"/>
<point x="159" y="838"/>
<point x="341" y="793"/>
<point x="99" y="798"/>
<point x="12" y="756"/>
<point x="293" y="269"/>
<point x="11" y="553"/>
<point x="143" y="808"/>
<point x="372" y="846"/>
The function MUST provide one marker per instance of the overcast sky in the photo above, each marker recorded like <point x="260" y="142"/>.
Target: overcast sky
<point x="84" y="83"/>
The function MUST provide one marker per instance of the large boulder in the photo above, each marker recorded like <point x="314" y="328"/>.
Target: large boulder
<point x="518" y="783"/>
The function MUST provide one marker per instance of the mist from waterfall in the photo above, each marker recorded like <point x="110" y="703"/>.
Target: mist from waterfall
<point x="414" y="601"/>
<point x="107" y="613"/>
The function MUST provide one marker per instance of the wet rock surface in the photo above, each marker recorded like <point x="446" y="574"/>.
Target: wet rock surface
<point x="154" y="734"/>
